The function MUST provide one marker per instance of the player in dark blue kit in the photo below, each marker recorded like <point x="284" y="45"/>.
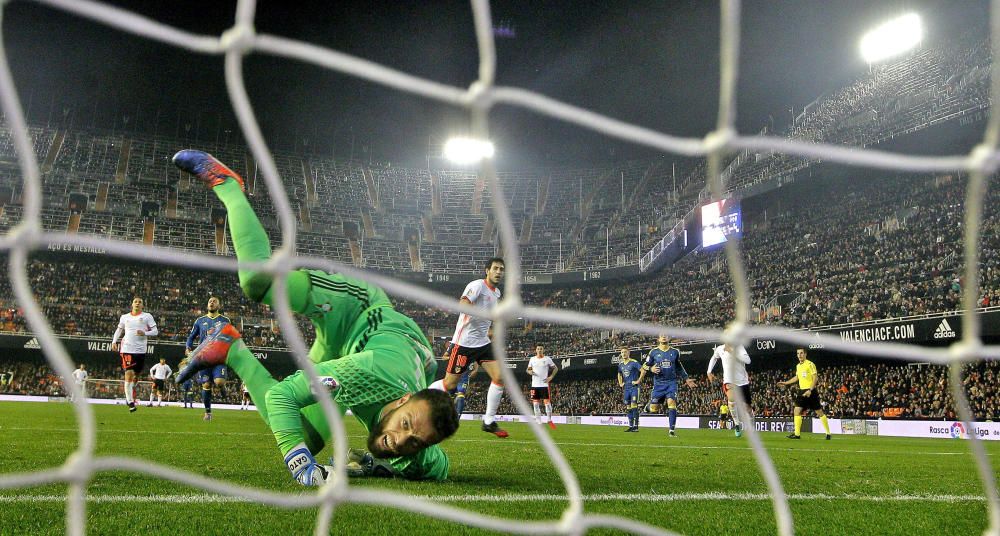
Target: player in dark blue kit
<point x="463" y="387"/>
<point x="187" y="387"/>
<point x="215" y="374"/>
<point x="628" y="379"/>
<point x="663" y="362"/>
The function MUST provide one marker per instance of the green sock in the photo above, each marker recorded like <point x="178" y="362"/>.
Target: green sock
<point x="249" y="238"/>
<point x="251" y="244"/>
<point x="257" y="379"/>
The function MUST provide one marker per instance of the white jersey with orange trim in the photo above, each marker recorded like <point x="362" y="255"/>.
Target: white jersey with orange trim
<point x="540" y="368"/>
<point x="474" y="331"/>
<point x="129" y="325"/>
<point x="160" y="372"/>
<point x="734" y="364"/>
<point x="80" y="375"/>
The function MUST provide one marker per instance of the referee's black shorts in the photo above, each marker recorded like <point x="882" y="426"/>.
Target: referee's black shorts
<point x="808" y="402"/>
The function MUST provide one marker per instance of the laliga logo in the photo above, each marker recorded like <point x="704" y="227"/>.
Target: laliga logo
<point x="957" y="430"/>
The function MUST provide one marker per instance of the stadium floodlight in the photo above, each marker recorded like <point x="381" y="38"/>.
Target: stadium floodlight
<point x="892" y="38"/>
<point x="467" y="150"/>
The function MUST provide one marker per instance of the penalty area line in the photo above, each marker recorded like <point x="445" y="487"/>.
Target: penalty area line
<point x="519" y="498"/>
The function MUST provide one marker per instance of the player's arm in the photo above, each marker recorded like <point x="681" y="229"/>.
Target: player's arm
<point x="151" y="330"/>
<point x="684" y="374"/>
<point x="743" y="356"/>
<point x="555" y="369"/>
<point x="195" y="334"/>
<point x="648" y="364"/>
<point x="118" y="334"/>
<point x="711" y="365"/>
<point x="789" y="381"/>
<point x="285" y="401"/>
<point x="621" y="382"/>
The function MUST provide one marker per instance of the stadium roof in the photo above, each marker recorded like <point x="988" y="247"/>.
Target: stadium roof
<point x="649" y="62"/>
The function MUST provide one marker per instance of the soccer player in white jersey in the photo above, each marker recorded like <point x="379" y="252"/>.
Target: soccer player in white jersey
<point x="734" y="377"/>
<point x="133" y="329"/>
<point x="471" y="343"/>
<point x="245" y="404"/>
<point x="80" y="377"/>
<point x="542" y="369"/>
<point x="159" y="373"/>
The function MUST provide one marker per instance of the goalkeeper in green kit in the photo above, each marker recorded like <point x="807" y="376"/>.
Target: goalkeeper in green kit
<point x="372" y="359"/>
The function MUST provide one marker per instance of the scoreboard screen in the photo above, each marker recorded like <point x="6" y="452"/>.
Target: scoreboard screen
<point x="719" y="221"/>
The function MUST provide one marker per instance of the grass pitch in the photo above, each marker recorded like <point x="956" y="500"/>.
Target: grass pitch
<point x="704" y="482"/>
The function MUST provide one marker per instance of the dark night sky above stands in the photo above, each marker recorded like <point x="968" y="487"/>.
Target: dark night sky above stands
<point x="654" y="63"/>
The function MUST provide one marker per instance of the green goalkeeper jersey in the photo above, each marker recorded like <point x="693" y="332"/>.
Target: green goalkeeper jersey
<point x="346" y="313"/>
<point x="393" y="363"/>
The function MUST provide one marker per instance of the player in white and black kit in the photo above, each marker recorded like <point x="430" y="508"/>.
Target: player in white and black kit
<point x="471" y="343"/>
<point x="159" y="373"/>
<point x="133" y="328"/>
<point x="542" y="369"/>
<point x="80" y="376"/>
<point x="734" y="377"/>
<point x="246" y="397"/>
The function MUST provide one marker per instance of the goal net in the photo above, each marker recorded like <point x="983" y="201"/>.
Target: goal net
<point x="241" y="39"/>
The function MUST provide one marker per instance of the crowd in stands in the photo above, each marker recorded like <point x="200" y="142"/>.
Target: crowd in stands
<point x="850" y="252"/>
<point x="847" y="250"/>
<point x="549" y="205"/>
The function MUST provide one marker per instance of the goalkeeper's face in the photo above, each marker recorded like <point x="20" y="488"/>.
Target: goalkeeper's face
<point x="405" y="430"/>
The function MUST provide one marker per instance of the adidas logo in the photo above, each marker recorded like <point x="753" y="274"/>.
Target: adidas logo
<point x="944" y="330"/>
<point x="33" y="344"/>
<point x="818" y="344"/>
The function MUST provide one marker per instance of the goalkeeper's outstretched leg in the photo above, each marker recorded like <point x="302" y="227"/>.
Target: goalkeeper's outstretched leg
<point x="345" y="312"/>
<point x="249" y="238"/>
<point x="373" y="360"/>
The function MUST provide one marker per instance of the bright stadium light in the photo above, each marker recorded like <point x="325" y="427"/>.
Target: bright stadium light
<point x="467" y="150"/>
<point x="892" y="38"/>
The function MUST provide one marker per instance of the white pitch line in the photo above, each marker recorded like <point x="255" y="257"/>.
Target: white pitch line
<point x="515" y="498"/>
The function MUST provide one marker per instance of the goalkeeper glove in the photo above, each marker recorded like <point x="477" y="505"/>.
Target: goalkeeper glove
<point x="362" y="463"/>
<point x="304" y="468"/>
